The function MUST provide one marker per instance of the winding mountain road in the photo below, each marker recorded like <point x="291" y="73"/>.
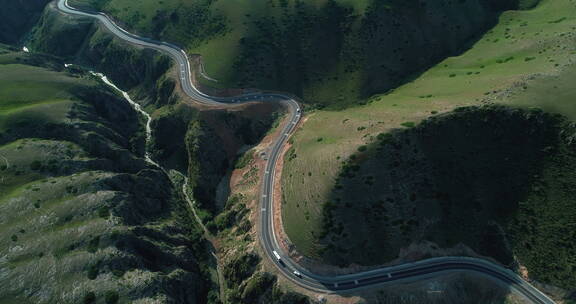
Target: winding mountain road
<point x="315" y="282"/>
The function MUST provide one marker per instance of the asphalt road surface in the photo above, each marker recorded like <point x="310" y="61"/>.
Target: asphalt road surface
<point x="306" y="279"/>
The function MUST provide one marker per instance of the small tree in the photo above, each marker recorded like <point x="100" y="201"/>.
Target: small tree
<point x="111" y="297"/>
<point x="89" y="298"/>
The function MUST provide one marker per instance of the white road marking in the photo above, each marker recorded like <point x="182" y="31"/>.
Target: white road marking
<point x="264" y="196"/>
<point x="263" y="209"/>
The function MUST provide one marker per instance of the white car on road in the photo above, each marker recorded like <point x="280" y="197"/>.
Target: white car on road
<point x="276" y="255"/>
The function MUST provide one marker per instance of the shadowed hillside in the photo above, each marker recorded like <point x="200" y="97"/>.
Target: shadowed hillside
<point x="497" y="180"/>
<point x="330" y="53"/>
<point x="17" y="17"/>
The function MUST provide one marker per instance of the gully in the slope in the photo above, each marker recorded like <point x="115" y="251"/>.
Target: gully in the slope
<point x="185" y="183"/>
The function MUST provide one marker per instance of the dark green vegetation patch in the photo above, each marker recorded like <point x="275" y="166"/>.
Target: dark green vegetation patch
<point x="309" y="49"/>
<point x="499" y="180"/>
<point x="331" y="53"/>
<point x="17" y="17"/>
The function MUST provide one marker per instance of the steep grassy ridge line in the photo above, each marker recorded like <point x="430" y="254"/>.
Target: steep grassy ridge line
<point x="503" y="66"/>
<point x="330" y="53"/>
<point x="491" y="172"/>
<point x="83" y="216"/>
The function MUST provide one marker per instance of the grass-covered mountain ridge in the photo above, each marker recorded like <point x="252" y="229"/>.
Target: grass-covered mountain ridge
<point x="331" y="53"/>
<point x="495" y="179"/>
<point x="84" y="218"/>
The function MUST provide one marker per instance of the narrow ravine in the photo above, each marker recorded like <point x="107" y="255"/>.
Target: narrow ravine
<point x="185" y="180"/>
<point x="138" y="109"/>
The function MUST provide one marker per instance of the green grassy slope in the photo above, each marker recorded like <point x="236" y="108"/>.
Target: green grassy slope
<point x="213" y="138"/>
<point x="28" y="91"/>
<point x="82" y="214"/>
<point x="331" y="53"/>
<point x="494" y="179"/>
<point x="526" y="60"/>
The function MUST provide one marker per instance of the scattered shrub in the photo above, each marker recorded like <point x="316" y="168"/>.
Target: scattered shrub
<point x="118" y="272"/>
<point x="244" y="226"/>
<point x="90" y="297"/>
<point x="36" y="165"/>
<point x="557" y="20"/>
<point x="225" y="220"/>
<point x="93" y="244"/>
<point x="505" y="59"/>
<point x="240" y="268"/>
<point x="244" y="160"/>
<point x="92" y="272"/>
<point x="256" y="286"/>
<point x="104" y="212"/>
<point x="111" y="297"/>
<point x="211" y="226"/>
